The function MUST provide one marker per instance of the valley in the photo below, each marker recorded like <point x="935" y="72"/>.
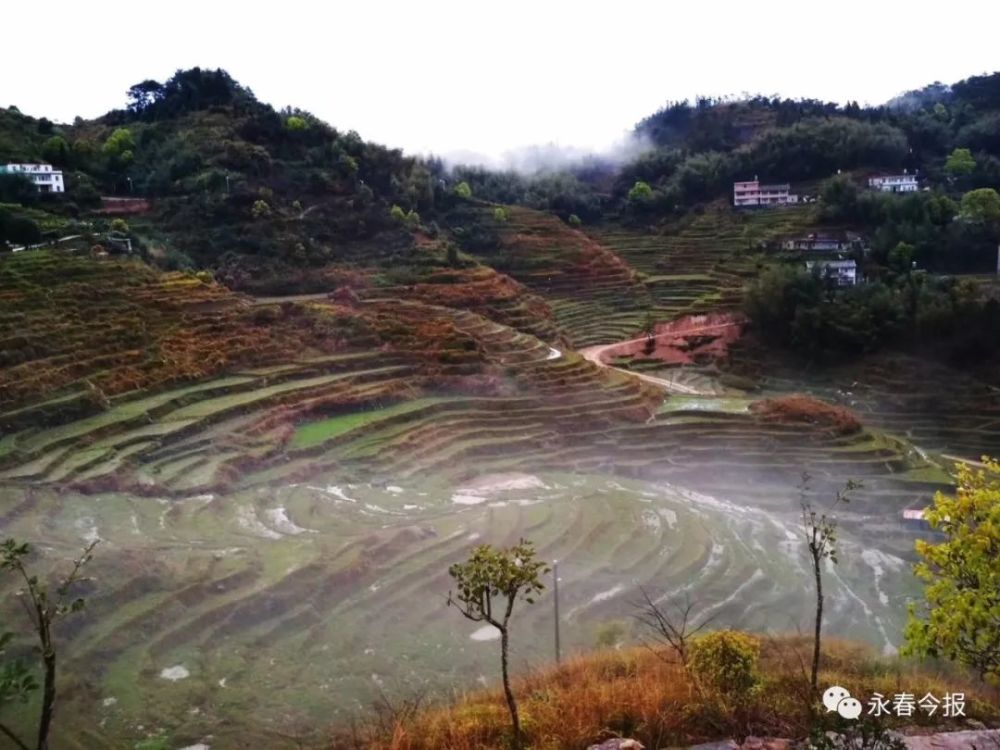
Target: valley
<point x="285" y="378"/>
<point x="282" y="524"/>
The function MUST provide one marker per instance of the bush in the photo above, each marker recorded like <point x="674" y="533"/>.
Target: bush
<point x="797" y="408"/>
<point x="500" y="214"/>
<point x="640" y="192"/>
<point x="610" y="634"/>
<point x="727" y="663"/>
<point x="260" y="209"/>
<point x="574" y="220"/>
<point x="462" y="190"/>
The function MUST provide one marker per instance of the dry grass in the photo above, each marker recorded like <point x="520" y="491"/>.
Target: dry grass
<point x="798" y="408"/>
<point x="638" y="693"/>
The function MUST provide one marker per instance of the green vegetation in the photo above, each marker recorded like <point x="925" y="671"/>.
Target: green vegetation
<point x="316" y="433"/>
<point x="488" y="586"/>
<point x="807" y="313"/>
<point x="366" y="371"/>
<point x="961" y="620"/>
<point x="960" y="163"/>
<point x="726" y="662"/>
<point x="44" y="608"/>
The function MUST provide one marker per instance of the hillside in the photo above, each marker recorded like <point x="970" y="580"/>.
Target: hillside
<point x="303" y="374"/>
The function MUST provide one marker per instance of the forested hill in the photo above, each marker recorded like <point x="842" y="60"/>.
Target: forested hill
<point x="232" y="177"/>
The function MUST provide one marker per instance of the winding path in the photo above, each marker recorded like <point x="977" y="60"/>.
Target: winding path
<point x="596" y="355"/>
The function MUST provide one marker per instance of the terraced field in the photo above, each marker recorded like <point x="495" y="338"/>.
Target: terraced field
<point x="86" y="330"/>
<point x="277" y="519"/>
<point x="949" y="413"/>
<point x="292" y="607"/>
<point x="240" y="430"/>
<point x="701" y="264"/>
<point x="595" y="296"/>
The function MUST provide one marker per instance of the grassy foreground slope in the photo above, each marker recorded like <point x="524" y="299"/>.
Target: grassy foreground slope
<point x="645" y="694"/>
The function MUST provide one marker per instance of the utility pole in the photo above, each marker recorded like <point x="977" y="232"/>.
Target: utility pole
<point x="555" y="598"/>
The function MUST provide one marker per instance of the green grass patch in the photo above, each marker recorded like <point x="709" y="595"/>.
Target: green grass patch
<point x="315" y="433"/>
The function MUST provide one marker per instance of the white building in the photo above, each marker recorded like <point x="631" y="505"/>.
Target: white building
<point x="752" y="193"/>
<point x="842" y="272"/>
<point x="46" y="179"/>
<point x="894" y="183"/>
<point x="828" y="243"/>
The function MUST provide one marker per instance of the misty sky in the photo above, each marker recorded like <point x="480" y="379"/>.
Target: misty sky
<point x="451" y="77"/>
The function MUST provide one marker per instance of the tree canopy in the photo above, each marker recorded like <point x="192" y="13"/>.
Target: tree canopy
<point x="961" y="616"/>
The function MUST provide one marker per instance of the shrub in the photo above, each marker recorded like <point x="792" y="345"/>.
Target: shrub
<point x="260" y="209"/>
<point x="726" y="662"/>
<point x="500" y="214"/>
<point x="462" y="190"/>
<point x="797" y="408"/>
<point x="640" y="192"/>
<point x="574" y="220"/>
<point x="119" y="225"/>
<point x="610" y="634"/>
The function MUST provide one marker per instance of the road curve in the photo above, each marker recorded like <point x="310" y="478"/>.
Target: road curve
<point x="595" y="354"/>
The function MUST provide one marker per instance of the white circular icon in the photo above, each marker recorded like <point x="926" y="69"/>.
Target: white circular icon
<point x="849" y="708"/>
<point x="833" y="696"/>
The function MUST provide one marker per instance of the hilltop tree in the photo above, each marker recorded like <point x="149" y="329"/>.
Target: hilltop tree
<point x="44" y="607"/>
<point x="143" y="95"/>
<point x="961" y="617"/>
<point x="960" y="163"/>
<point x="488" y="585"/>
<point x="820" y="532"/>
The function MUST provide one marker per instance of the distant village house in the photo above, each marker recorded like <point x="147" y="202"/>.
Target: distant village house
<point x="45" y="178"/>
<point x="825" y="243"/>
<point x="752" y="193"/>
<point x="841" y="272"/>
<point x="894" y="183"/>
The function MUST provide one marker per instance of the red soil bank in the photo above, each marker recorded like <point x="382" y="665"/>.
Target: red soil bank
<point x="685" y="341"/>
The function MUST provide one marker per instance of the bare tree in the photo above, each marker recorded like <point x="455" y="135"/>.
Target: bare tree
<point x="672" y="625"/>
<point x="820" y="531"/>
<point x="43" y="609"/>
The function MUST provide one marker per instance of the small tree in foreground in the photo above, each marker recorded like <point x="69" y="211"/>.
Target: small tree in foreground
<point x="820" y="532"/>
<point x="43" y="609"/>
<point x="488" y="584"/>
<point x="961" y="620"/>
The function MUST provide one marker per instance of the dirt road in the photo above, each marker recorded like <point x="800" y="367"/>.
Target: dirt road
<point x="597" y="354"/>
